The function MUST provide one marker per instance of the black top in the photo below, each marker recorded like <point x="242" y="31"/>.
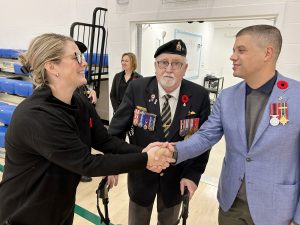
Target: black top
<point x="256" y="100"/>
<point x="123" y="86"/>
<point x="48" y="149"/>
<point x="266" y="88"/>
<point x="119" y="87"/>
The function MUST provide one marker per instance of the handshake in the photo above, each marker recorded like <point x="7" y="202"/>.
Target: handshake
<point x="160" y="155"/>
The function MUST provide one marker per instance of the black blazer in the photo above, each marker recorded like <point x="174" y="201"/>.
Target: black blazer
<point x="47" y="150"/>
<point x="143" y="185"/>
<point x="115" y="97"/>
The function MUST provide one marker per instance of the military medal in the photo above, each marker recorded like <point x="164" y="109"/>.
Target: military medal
<point x="195" y="124"/>
<point x="141" y="119"/>
<point x="274" y="114"/>
<point x="146" y="121"/>
<point x="151" y="123"/>
<point x="283" y="110"/>
<point x="186" y="126"/>
<point x="191" y="122"/>
<point x="279" y="114"/>
<point x="136" y="117"/>
<point x="274" y="121"/>
<point x="181" y="128"/>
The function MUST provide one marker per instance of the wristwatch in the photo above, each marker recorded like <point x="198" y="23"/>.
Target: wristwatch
<point x="175" y="155"/>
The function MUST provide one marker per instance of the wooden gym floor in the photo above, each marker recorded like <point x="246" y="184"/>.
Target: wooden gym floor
<point x="203" y="208"/>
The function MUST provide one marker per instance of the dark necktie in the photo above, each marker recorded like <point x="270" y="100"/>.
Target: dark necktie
<point x="166" y="115"/>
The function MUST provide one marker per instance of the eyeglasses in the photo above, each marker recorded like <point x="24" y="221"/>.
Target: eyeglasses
<point x="80" y="57"/>
<point x="174" y="65"/>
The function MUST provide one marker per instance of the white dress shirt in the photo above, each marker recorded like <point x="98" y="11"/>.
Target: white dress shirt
<point x="172" y="101"/>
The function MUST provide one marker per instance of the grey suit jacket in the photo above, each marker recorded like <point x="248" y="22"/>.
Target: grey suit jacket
<point x="271" y="165"/>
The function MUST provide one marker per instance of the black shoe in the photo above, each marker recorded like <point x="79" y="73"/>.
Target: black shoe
<point x="85" y="179"/>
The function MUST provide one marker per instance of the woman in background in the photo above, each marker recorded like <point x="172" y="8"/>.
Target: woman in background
<point x="120" y="84"/>
<point x="122" y="79"/>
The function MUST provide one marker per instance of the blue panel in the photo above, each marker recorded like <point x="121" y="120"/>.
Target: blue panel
<point x="6" y="112"/>
<point x="17" y="69"/>
<point x="10" y="53"/>
<point x="2" y="135"/>
<point x="23" y="88"/>
<point x="7" y="85"/>
<point x="96" y="59"/>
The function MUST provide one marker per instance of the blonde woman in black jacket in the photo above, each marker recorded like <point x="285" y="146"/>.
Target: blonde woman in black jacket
<point x="49" y="139"/>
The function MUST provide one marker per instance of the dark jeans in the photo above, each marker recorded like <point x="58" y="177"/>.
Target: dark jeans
<point x="238" y="214"/>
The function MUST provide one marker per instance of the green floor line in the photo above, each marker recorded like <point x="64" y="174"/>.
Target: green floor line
<point x="87" y="215"/>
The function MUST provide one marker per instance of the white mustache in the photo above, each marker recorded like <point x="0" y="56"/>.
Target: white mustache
<point x="168" y="76"/>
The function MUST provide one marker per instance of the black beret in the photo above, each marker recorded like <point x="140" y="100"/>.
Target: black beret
<point x="81" y="46"/>
<point x="175" y="46"/>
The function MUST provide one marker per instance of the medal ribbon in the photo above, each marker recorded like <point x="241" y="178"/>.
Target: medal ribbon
<point x="283" y="109"/>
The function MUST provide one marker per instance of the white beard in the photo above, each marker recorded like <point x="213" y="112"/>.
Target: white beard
<point x="168" y="81"/>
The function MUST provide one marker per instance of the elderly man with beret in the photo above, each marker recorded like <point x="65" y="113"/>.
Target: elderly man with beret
<point x="163" y="108"/>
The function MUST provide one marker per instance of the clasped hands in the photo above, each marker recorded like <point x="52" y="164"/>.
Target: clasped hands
<point x="160" y="155"/>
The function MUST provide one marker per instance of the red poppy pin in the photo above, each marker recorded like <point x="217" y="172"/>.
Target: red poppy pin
<point x="282" y="84"/>
<point x="184" y="99"/>
<point x="91" y="123"/>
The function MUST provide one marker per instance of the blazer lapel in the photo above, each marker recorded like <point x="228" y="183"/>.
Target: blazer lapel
<point x="152" y="103"/>
<point x="181" y="110"/>
<point x="239" y="112"/>
<point x="265" y="120"/>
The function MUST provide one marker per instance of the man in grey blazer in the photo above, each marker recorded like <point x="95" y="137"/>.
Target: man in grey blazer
<point x="260" y="119"/>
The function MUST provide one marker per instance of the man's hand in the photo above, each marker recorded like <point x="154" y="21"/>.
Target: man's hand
<point x="192" y="187"/>
<point x="154" y="144"/>
<point x="159" y="158"/>
<point x="112" y="181"/>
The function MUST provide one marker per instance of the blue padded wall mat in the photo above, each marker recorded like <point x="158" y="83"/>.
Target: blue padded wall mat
<point x="2" y="135"/>
<point x="6" y="112"/>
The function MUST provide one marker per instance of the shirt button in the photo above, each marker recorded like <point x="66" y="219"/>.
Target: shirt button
<point x="248" y="159"/>
<point x="161" y="174"/>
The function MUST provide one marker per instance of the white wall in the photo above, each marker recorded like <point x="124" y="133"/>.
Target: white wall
<point x="217" y="41"/>
<point x="152" y="39"/>
<point x="20" y="21"/>
<point x="122" y="19"/>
